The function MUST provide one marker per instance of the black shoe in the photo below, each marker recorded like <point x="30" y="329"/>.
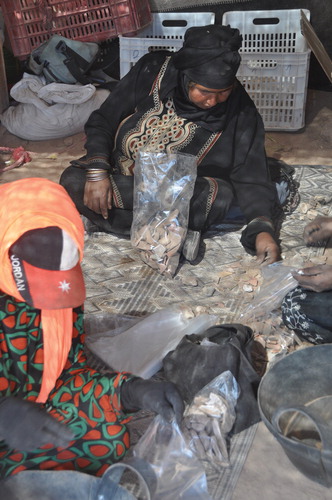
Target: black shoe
<point x="191" y="245"/>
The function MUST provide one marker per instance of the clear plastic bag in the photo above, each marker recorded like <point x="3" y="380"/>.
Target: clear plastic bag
<point x="210" y="417"/>
<point x="163" y="186"/>
<point x="178" y="471"/>
<point x="102" y="324"/>
<point x="138" y="345"/>
<point x="277" y="282"/>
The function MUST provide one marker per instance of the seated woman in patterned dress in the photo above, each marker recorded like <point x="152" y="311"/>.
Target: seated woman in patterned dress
<point x="188" y="102"/>
<point x="307" y="309"/>
<point x="55" y="411"/>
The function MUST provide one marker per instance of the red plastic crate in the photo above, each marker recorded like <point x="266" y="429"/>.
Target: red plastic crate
<point x="30" y="22"/>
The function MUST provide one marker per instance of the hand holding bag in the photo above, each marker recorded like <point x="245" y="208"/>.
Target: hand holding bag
<point x="200" y="358"/>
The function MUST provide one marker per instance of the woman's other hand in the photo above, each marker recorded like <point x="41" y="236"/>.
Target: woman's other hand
<point x="317" y="278"/>
<point x="98" y="196"/>
<point x="267" y="249"/>
<point x="26" y="425"/>
<point x="318" y="230"/>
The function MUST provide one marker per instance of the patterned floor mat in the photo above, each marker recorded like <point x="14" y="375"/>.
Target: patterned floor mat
<point x="222" y="282"/>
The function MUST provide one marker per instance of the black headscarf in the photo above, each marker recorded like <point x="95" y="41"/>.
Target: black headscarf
<point x="209" y="55"/>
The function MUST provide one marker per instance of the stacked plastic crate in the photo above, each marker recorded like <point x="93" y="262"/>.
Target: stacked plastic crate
<point x="166" y="32"/>
<point x="275" y="64"/>
<point x="29" y="23"/>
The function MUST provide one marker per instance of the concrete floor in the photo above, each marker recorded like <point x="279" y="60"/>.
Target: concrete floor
<point x="267" y="473"/>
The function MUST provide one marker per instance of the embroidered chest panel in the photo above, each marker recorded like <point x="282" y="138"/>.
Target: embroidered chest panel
<point x="157" y="129"/>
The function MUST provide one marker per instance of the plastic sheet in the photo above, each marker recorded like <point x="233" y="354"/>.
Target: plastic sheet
<point x="163" y="187"/>
<point x="139" y="345"/>
<point x="277" y="282"/>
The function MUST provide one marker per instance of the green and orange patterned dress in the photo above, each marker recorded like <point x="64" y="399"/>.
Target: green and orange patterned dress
<point x="85" y="400"/>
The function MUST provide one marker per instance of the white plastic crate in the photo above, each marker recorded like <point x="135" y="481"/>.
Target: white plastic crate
<point x="269" y="30"/>
<point x="275" y="65"/>
<point x="278" y="86"/>
<point x="166" y="32"/>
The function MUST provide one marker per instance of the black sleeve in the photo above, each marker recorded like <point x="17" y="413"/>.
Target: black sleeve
<point x="250" y="175"/>
<point x="255" y="192"/>
<point x="248" y="235"/>
<point x="103" y="123"/>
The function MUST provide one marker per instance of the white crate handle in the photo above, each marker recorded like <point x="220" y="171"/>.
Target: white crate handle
<point x="289" y="19"/>
<point x="174" y="24"/>
<point x="262" y="64"/>
<point x="167" y="18"/>
<point x="265" y="21"/>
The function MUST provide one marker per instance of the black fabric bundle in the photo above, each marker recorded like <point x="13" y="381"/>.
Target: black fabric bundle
<point x="192" y="365"/>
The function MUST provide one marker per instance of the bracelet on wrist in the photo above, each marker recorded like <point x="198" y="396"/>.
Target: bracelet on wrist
<point x="96" y="174"/>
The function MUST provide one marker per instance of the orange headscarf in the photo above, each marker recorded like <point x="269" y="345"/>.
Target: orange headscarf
<point x="28" y="204"/>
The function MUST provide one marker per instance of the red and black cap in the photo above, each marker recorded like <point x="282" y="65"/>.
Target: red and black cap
<point x="46" y="269"/>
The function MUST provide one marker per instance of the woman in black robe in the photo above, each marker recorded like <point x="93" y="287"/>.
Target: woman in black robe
<point x="187" y="102"/>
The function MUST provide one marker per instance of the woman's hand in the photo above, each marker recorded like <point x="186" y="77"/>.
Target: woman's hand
<point x="26" y="425"/>
<point x="267" y="249"/>
<point x="160" y="397"/>
<point x="98" y="196"/>
<point x="318" y="230"/>
<point x="316" y="278"/>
